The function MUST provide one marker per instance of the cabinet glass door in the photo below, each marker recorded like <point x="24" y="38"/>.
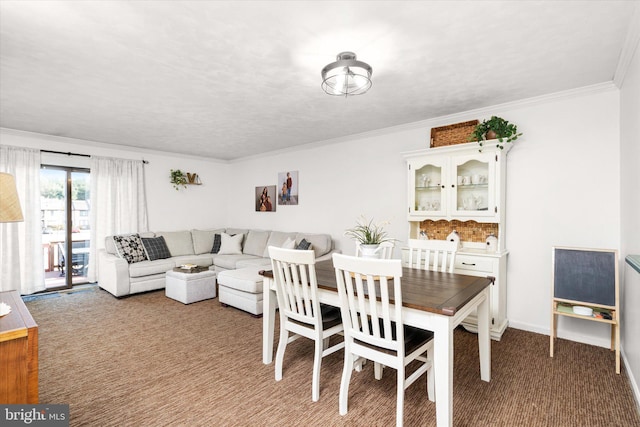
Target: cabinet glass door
<point x="428" y="198"/>
<point x="473" y="182"/>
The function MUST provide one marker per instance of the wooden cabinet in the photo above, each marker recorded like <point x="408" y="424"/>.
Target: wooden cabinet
<point x="460" y="184"/>
<point x="483" y="264"/>
<point x="18" y="353"/>
<point x="479" y="262"/>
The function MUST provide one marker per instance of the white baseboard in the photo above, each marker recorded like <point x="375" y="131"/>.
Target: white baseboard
<point x="571" y="336"/>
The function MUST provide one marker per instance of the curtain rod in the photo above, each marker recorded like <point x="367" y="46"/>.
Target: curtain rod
<point x="68" y="154"/>
<point x="76" y="154"/>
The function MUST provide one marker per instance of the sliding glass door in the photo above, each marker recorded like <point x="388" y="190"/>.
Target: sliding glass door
<point x="65" y="205"/>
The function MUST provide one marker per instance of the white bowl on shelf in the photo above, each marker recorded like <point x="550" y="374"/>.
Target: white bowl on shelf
<point x="582" y="311"/>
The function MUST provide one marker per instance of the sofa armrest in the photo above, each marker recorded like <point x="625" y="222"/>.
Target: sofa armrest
<point x="113" y="274"/>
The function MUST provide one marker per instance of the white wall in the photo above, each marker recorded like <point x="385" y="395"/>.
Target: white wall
<point x="338" y="182"/>
<point x="194" y="207"/>
<point x="630" y="216"/>
<point x="562" y="189"/>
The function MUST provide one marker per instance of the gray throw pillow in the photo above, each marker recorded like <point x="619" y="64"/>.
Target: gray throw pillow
<point x="217" y="242"/>
<point x="156" y="248"/>
<point x="304" y="245"/>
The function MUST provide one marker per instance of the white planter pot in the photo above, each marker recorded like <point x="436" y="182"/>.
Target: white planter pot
<point x="370" y="251"/>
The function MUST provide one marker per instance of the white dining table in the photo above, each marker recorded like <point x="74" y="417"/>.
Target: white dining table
<point x="433" y="301"/>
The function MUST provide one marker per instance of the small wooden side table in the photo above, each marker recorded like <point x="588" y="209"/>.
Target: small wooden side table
<point x="18" y="353"/>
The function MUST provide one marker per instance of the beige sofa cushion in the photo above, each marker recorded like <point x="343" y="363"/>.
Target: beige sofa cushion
<point x="147" y="268"/>
<point x="178" y="242"/>
<point x="265" y="263"/>
<point x="203" y="240"/>
<point x="277" y="239"/>
<point x="256" y="242"/>
<point x="320" y="243"/>
<point x="228" y="262"/>
<point x="244" y="279"/>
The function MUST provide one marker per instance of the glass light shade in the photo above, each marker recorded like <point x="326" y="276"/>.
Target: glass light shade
<point x="346" y="76"/>
<point x="9" y="203"/>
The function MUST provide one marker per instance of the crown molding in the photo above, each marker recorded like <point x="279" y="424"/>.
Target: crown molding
<point x="628" y="49"/>
<point x="427" y="123"/>
<point x="82" y="143"/>
<point x="448" y="119"/>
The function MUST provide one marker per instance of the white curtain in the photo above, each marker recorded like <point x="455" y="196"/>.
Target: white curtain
<point x="118" y="203"/>
<point x="21" y="254"/>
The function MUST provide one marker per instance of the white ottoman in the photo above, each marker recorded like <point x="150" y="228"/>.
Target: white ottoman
<point x="241" y="289"/>
<point x="190" y="287"/>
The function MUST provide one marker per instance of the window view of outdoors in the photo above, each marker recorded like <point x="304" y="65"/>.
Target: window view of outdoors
<point x="66" y="255"/>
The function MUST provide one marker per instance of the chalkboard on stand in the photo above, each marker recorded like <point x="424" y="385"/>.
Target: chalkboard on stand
<point x="586" y="281"/>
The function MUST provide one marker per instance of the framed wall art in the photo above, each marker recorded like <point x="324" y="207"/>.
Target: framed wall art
<point x="288" y="188"/>
<point x="265" y="198"/>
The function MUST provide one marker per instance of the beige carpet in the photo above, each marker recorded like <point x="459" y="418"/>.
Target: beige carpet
<point x="148" y="360"/>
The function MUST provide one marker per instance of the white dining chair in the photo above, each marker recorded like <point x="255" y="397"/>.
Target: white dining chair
<point x="370" y="296"/>
<point x="436" y="255"/>
<point x="301" y="314"/>
<point x="386" y="250"/>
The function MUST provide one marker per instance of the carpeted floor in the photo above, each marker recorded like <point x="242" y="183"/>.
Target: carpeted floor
<point x="147" y="360"/>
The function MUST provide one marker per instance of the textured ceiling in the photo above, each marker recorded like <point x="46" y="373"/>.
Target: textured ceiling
<point x="227" y="80"/>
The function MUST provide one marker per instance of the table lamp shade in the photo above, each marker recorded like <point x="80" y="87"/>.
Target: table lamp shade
<point x="10" y="210"/>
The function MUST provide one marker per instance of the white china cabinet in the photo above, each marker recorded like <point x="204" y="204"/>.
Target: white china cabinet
<point x="460" y="182"/>
<point x="457" y="182"/>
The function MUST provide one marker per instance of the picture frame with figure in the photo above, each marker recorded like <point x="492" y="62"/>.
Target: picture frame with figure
<point x="265" y="197"/>
<point x="288" y="188"/>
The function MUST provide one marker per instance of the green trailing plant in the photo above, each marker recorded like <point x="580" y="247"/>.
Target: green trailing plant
<point x="178" y="179"/>
<point x="504" y="131"/>
<point x="368" y="233"/>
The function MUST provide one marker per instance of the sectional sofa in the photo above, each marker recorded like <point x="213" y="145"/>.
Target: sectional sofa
<point x="122" y="273"/>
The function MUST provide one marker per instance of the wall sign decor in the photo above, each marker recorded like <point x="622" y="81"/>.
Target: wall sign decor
<point x="182" y="179"/>
<point x="265" y="197"/>
<point x="288" y="188"/>
<point x="193" y="178"/>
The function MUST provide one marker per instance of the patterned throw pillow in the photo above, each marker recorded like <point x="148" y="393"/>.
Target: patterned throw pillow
<point x="217" y="242"/>
<point x="156" y="248"/>
<point x="304" y="245"/>
<point x="130" y="248"/>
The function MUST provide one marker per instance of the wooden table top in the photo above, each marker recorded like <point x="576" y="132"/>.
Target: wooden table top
<point x="432" y="291"/>
<point x="18" y="321"/>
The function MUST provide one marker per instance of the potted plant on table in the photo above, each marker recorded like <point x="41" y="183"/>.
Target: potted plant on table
<point x="369" y="235"/>
<point x="178" y="179"/>
<point x="495" y="128"/>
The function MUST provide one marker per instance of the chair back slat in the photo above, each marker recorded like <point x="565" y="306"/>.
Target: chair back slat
<point x="366" y="301"/>
<point x="436" y="255"/>
<point x="296" y="284"/>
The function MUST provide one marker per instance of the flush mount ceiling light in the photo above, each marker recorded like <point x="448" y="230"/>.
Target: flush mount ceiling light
<point x="346" y="76"/>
